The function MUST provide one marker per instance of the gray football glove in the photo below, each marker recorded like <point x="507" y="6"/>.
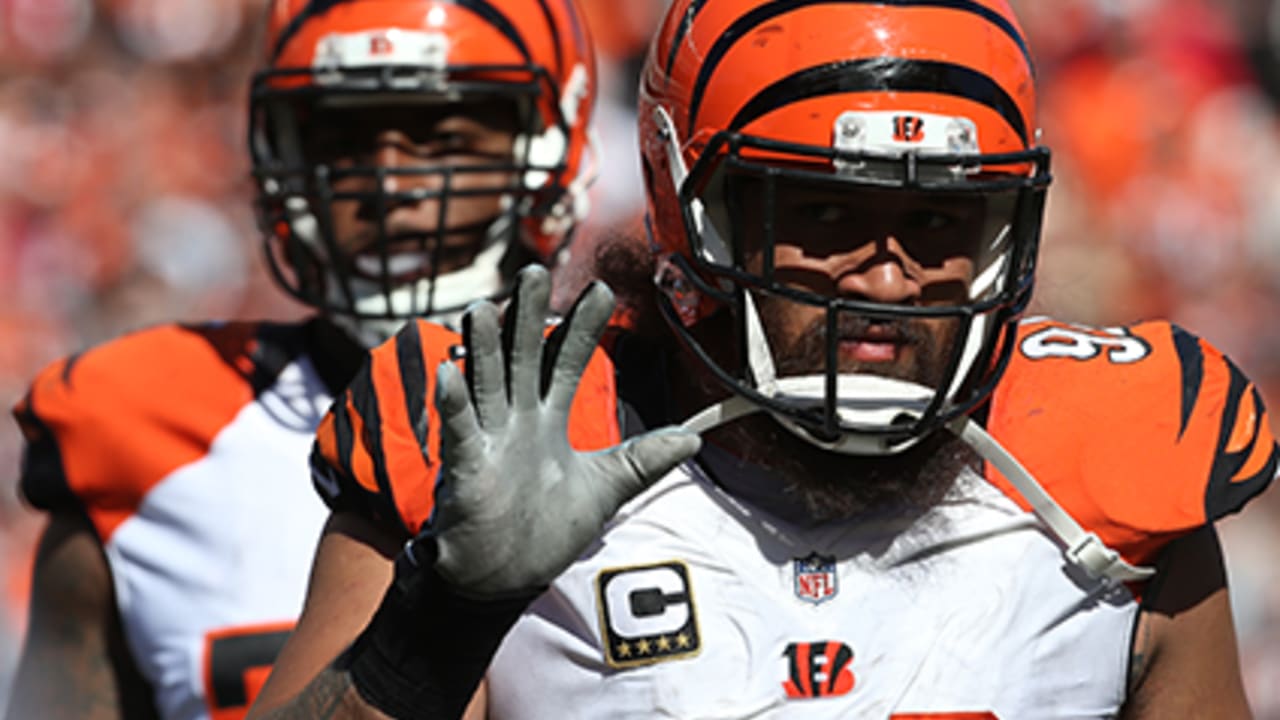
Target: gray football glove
<point x="516" y="505"/>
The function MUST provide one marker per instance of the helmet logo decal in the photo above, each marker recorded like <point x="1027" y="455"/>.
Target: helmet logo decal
<point x="382" y="47"/>
<point x="380" y="44"/>
<point x="891" y="133"/>
<point x="908" y="128"/>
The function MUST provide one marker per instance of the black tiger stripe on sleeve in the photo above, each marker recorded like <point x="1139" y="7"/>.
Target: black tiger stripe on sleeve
<point x="43" y="479"/>
<point x="413" y="380"/>
<point x="347" y="461"/>
<point x="1246" y="457"/>
<point x="344" y="436"/>
<point x="368" y="412"/>
<point x="1191" y="361"/>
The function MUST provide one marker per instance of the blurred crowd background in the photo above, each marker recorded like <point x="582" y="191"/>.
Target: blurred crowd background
<point x="124" y="199"/>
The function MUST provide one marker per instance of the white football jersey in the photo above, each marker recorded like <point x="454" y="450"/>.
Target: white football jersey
<point x="695" y="604"/>
<point x="701" y="604"/>
<point x="187" y="450"/>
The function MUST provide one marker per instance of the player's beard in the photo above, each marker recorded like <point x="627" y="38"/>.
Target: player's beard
<point x="835" y="485"/>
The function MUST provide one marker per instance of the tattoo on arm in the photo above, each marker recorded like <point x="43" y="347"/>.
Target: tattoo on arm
<point x="329" y="696"/>
<point x="1140" y="656"/>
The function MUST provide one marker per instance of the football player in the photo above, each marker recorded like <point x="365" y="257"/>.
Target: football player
<point x="906" y="500"/>
<point x="409" y="155"/>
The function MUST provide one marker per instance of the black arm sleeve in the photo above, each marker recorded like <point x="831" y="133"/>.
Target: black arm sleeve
<point x="427" y="648"/>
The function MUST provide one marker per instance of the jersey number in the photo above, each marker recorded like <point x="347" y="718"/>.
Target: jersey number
<point x="1082" y="343"/>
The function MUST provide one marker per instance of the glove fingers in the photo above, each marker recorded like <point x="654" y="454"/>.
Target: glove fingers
<point x="584" y="325"/>
<point x="522" y="335"/>
<point x="485" y="374"/>
<point x="458" y="425"/>
<point x="643" y="461"/>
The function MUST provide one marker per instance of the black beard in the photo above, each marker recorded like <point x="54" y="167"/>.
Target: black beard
<point x="834" y="486"/>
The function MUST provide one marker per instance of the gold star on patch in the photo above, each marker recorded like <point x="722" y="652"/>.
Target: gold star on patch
<point x="624" y="650"/>
<point x="682" y="640"/>
<point x="664" y="643"/>
<point x="643" y="647"/>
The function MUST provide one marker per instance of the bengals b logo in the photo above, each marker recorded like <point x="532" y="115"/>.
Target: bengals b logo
<point x="381" y="44"/>
<point x="908" y="128"/>
<point x="818" y="669"/>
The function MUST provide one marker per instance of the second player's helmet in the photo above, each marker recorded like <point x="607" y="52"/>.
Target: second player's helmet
<point x="883" y="101"/>
<point x="368" y="56"/>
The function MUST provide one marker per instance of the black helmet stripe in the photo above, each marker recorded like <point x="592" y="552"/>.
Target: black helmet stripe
<point x="313" y="8"/>
<point x="494" y="17"/>
<point x="880" y="74"/>
<point x="771" y="10"/>
<point x="491" y="15"/>
<point x="575" y="23"/>
<point x="555" y="34"/>
<point x="694" y="8"/>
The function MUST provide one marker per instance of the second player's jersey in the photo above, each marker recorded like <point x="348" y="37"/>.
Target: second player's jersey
<point x="698" y="605"/>
<point x="377" y="451"/>
<point x="186" y="448"/>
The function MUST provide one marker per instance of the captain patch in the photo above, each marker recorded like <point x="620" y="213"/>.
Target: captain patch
<point x="647" y="614"/>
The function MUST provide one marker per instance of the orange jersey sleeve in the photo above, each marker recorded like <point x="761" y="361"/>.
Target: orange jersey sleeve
<point x="1141" y="433"/>
<point x="377" y="451"/>
<point x="103" y="427"/>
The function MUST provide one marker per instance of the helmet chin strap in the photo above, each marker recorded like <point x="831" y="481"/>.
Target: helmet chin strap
<point x="1082" y="549"/>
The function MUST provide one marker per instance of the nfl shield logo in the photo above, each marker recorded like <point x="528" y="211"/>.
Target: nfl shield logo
<point x="815" y="578"/>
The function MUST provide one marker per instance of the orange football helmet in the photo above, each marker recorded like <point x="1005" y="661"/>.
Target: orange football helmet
<point x="379" y="54"/>
<point x="880" y="100"/>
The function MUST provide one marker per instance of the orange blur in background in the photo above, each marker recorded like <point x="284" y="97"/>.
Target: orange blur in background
<point x="124" y="200"/>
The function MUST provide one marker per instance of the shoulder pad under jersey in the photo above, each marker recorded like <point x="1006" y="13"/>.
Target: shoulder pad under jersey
<point x="104" y="426"/>
<point x="377" y="451"/>
<point x="1141" y="433"/>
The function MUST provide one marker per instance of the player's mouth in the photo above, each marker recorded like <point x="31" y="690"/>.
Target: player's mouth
<point x="399" y="266"/>
<point x="874" y="344"/>
<point x="413" y="256"/>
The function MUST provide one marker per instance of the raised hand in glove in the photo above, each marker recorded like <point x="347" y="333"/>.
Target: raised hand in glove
<point x="516" y="504"/>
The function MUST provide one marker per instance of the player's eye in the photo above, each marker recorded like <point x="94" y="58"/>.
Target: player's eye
<point x="929" y="220"/>
<point x="824" y="213"/>
<point x="450" y="141"/>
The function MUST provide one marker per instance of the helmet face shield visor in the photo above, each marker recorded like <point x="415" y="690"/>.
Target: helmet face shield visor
<point x="795" y="240"/>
